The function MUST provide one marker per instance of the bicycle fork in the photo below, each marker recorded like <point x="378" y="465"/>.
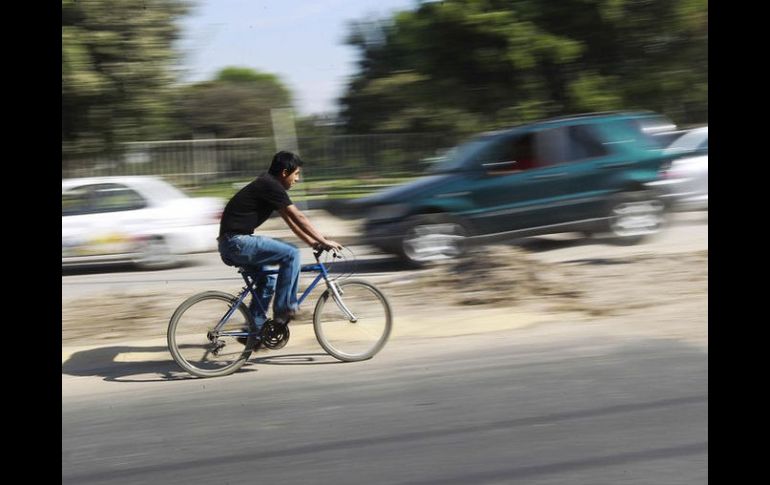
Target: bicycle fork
<point x="337" y="297"/>
<point x="333" y="287"/>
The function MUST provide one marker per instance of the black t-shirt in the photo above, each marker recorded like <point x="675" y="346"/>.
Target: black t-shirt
<point x="252" y="205"/>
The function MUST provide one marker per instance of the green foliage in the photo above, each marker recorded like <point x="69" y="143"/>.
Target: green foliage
<point x="117" y="60"/>
<point x="245" y="75"/>
<point x="235" y="104"/>
<point x="468" y="65"/>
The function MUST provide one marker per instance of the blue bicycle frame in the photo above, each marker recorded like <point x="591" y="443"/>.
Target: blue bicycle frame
<point x="251" y="278"/>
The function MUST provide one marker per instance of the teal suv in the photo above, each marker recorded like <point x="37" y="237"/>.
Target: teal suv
<point x="585" y="173"/>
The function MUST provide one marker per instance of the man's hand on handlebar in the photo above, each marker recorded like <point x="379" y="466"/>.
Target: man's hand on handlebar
<point x="327" y="245"/>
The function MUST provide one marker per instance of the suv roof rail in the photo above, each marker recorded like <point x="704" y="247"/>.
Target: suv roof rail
<point x="597" y="114"/>
<point x="577" y="116"/>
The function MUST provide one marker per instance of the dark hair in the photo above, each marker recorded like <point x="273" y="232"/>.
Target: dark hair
<point x="284" y="161"/>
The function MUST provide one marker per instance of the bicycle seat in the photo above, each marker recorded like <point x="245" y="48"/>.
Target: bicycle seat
<point x="253" y="272"/>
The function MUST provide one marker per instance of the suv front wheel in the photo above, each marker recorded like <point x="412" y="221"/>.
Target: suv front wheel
<point x="433" y="237"/>
<point x="635" y="215"/>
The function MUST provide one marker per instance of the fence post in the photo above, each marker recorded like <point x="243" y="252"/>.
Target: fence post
<point x="201" y="155"/>
<point x="285" y="135"/>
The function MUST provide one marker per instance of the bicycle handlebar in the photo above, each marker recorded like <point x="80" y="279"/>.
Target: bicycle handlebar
<point x="317" y="252"/>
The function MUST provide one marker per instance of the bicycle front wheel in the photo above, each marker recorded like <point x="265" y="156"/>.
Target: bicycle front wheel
<point x="198" y="347"/>
<point x="358" y="338"/>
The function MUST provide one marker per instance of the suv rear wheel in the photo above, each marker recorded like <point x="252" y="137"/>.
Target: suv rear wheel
<point x="635" y="215"/>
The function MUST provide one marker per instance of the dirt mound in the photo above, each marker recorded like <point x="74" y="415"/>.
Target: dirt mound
<point x="509" y="276"/>
<point x="495" y="275"/>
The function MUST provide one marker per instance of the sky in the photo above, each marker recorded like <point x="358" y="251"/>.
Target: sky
<point x="300" y="41"/>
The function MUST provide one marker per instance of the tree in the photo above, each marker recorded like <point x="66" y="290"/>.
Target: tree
<point x="644" y="53"/>
<point x="459" y="66"/>
<point x="237" y="103"/>
<point x="117" y="72"/>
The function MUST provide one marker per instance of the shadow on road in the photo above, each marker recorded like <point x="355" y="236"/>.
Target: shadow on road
<point x="545" y="244"/>
<point x="297" y="359"/>
<point x="380" y="264"/>
<point x="384" y="263"/>
<point x="87" y="269"/>
<point x="102" y="362"/>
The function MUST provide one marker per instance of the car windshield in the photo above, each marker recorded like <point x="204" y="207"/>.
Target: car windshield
<point x="651" y="126"/>
<point x="691" y="141"/>
<point x="162" y="191"/>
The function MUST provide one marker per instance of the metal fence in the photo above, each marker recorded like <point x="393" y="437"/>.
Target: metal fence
<point x="205" y="161"/>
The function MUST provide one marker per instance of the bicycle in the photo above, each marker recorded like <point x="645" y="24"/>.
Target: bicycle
<point x="213" y="333"/>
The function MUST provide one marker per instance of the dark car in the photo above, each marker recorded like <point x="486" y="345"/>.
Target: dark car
<point x="584" y="173"/>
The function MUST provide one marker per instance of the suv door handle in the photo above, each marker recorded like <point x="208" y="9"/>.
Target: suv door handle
<point x="615" y="165"/>
<point x="549" y="175"/>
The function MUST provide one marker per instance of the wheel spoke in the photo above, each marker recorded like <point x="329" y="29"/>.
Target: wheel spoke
<point x="192" y="344"/>
<point x="350" y="341"/>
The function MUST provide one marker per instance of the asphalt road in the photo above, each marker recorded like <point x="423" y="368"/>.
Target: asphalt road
<point x="541" y="406"/>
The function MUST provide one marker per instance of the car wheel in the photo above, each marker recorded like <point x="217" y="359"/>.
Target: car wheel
<point x="633" y="216"/>
<point x="155" y="254"/>
<point x="433" y="237"/>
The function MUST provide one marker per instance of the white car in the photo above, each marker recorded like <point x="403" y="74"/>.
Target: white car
<point x="134" y="219"/>
<point x="685" y="184"/>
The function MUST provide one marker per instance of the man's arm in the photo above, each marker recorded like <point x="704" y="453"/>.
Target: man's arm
<point x="301" y="226"/>
<point x="296" y="230"/>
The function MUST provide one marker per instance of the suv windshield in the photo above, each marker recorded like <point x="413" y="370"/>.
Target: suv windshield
<point x="637" y="131"/>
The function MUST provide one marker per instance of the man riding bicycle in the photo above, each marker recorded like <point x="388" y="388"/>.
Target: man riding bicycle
<point x="250" y="208"/>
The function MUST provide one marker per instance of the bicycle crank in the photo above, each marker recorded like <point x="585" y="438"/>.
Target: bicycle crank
<point x="275" y="335"/>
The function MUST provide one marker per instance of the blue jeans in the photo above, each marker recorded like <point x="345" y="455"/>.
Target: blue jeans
<point x="257" y="252"/>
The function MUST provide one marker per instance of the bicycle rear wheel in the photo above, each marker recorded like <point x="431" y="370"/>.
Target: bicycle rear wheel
<point x="193" y="343"/>
<point x="353" y="340"/>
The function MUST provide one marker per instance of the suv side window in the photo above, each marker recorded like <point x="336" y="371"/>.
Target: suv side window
<point x="517" y="148"/>
<point x="584" y="144"/>
<point x="568" y="144"/>
<point x="552" y="146"/>
<point x="116" y="197"/>
<point x="495" y="152"/>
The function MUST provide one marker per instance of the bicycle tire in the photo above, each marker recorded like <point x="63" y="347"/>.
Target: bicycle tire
<point x="353" y="341"/>
<point x="187" y="331"/>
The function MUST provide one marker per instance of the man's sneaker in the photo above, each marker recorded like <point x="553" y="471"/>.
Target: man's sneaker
<point x="303" y="314"/>
<point x="286" y="317"/>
